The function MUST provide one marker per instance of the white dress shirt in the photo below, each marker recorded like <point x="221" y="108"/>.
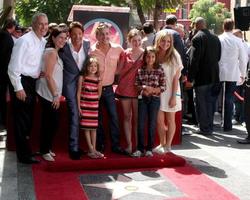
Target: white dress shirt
<point x="79" y="57"/>
<point x="233" y="61"/>
<point x="25" y="59"/>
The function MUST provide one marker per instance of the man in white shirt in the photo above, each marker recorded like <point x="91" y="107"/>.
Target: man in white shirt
<point x="23" y="70"/>
<point x="232" y="67"/>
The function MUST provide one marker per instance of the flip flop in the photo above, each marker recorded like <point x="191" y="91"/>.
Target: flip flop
<point x="92" y="155"/>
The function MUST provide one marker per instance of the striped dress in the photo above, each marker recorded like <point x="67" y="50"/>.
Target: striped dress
<point x="89" y="103"/>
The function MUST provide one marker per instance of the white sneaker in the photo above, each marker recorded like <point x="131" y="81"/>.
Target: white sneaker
<point x="52" y="153"/>
<point x="167" y="149"/>
<point x="137" y="154"/>
<point x="160" y="150"/>
<point x="149" y="154"/>
<point x="156" y="148"/>
<point x="48" y="157"/>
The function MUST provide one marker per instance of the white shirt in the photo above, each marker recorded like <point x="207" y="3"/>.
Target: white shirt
<point x="25" y="59"/>
<point x="41" y="84"/>
<point x="79" y="57"/>
<point x="233" y="61"/>
<point x="148" y="40"/>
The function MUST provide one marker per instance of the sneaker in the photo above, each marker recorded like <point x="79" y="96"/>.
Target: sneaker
<point x="48" y="157"/>
<point x="160" y="150"/>
<point x="156" y="148"/>
<point x="167" y="149"/>
<point x="137" y="154"/>
<point x="149" y="154"/>
<point x="52" y="154"/>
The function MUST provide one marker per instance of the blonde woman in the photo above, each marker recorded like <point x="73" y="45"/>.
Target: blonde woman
<point x="170" y="102"/>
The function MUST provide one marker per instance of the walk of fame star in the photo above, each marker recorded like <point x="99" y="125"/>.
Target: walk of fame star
<point x="122" y="188"/>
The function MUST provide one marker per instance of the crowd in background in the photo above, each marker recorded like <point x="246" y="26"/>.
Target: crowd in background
<point x="159" y="74"/>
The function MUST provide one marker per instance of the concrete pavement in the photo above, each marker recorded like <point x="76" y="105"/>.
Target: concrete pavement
<point x="219" y="156"/>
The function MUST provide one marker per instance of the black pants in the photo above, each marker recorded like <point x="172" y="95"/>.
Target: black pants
<point x="23" y="117"/>
<point x="247" y="109"/>
<point x="3" y="102"/>
<point x="50" y="119"/>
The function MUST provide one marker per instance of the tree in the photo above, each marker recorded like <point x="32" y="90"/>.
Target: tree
<point x="213" y="12"/>
<point x="56" y="10"/>
<point x="154" y="7"/>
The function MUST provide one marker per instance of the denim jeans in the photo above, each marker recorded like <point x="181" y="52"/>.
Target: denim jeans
<point x="108" y="101"/>
<point x="229" y="104"/>
<point x="205" y="100"/>
<point x="148" y="108"/>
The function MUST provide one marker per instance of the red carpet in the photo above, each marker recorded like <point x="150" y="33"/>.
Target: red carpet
<point x="114" y="161"/>
<point x="65" y="185"/>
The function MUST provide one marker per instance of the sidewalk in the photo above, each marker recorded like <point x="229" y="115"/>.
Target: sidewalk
<point x="219" y="156"/>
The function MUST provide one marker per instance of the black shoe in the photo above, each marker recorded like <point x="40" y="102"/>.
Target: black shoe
<point x="244" y="141"/>
<point x="76" y="155"/>
<point x="227" y="129"/>
<point x="118" y="150"/>
<point x="202" y="132"/>
<point x="29" y="160"/>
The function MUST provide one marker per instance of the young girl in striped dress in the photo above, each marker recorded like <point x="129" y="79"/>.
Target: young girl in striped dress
<point x="89" y="91"/>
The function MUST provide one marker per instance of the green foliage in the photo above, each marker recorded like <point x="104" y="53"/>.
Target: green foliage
<point x="57" y="10"/>
<point x="213" y="12"/>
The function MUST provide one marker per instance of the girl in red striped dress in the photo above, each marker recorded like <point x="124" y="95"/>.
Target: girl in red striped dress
<point x="89" y="91"/>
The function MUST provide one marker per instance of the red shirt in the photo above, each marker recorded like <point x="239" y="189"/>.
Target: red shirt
<point x="126" y="85"/>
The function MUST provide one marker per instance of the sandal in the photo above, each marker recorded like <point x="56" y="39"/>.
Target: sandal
<point x="99" y="154"/>
<point x="92" y="155"/>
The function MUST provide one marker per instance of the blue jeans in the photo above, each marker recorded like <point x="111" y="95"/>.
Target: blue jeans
<point x="205" y="100"/>
<point x="148" y="108"/>
<point x="108" y="101"/>
<point x="229" y="104"/>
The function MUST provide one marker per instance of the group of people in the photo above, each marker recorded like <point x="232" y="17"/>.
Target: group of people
<point x="151" y="73"/>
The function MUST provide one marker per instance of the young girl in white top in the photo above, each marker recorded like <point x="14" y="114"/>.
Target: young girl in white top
<point x="170" y="102"/>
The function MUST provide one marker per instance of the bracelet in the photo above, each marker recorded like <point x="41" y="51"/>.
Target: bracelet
<point x="55" y="97"/>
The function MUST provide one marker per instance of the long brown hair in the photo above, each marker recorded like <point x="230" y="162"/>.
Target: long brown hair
<point x="170" y="56"/>
<point x="89" y="62"/>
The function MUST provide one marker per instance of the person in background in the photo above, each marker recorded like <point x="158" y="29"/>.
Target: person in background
<point x="232" y="68"/>
<point x="239" y="117"/>
<point x="88" y="94"/>
<point x="148" y="30"/>
<point x="108" y="55"/>
<point x="126" y="90"/>
<point x="203" y="74"/>
<point x="6" y="45"/>
<point x="23" y="70"/>
<point x="170" y="61"/>
<point x="17" y="33"/>
<point x="73" y="55"/>
<point x="49" y="89"/>
<point x="149" y="102"/>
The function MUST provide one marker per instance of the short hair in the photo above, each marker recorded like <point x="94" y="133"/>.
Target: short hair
<point x="132" y="33"/>
<point x="53" y="25"/>
<point x="101" y="26"/>
<point x="148" y="28"/>
<point x="200" y="23"/>
<point x="75" y="24"/>
<point x="9" y="23"/>
<point x="228" y="24"/>
<point x="36" y="16"/>
<point x="171" y="20"/>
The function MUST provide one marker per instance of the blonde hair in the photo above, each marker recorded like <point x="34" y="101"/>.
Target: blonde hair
<point x="132" y="33"/>
<point x="170" y="55"/>
<point x="101" y="26"/>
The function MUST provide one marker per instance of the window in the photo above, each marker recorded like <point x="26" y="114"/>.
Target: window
<point x="237" y="3"/>
<point x="184" y="12"/>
